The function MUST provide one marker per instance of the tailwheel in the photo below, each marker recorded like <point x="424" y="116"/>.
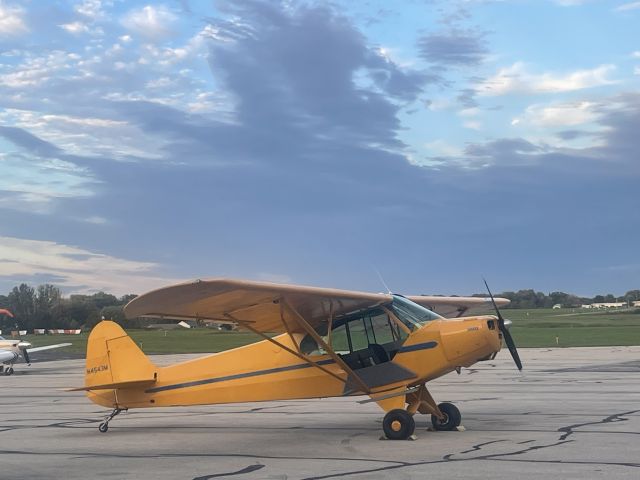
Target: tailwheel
<point x="104" y="426"/>
<point x="398" y="424"/>
<point x="451" y="420"/>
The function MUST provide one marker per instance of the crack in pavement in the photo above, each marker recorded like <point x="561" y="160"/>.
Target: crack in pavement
<point x="616" y="417"/>
<point x="248" y="469"/>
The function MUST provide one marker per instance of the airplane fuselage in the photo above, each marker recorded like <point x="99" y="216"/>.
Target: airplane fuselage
<point x="264" y="371"/>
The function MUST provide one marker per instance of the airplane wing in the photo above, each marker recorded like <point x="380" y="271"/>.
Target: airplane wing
<point x="48" y="347"/>
<point x="257" y="304"/>
<point x="450" y="307"/>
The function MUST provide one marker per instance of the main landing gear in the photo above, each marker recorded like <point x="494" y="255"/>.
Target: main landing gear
<point x="6" y="371"/>
<point x="104" y="426"/>
<point x="399" y="424"/>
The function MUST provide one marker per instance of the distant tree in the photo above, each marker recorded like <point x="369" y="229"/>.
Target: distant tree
<point x="102" y="299"/>
<point x="82" y="310"/>
<point x="127" y="298"/>
<point x="115" y="313"/>
<point x="48" y="299"/>
<point x="22" y="303"/>
<point x="631" y="296"/>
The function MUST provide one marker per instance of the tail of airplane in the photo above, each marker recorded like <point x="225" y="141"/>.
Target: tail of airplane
<point x="114" y="361"/>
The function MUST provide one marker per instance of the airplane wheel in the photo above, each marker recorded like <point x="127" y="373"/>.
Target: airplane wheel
<point x="9" y="371"/>
<point x="103" y="427"/>
<point x="398" y="424"/>
<point x="452" y="417"/>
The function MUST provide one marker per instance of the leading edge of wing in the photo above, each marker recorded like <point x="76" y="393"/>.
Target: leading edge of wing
<point x="248" y="300"/>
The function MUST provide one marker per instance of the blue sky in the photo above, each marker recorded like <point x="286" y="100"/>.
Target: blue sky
<point x="314" y="142"/>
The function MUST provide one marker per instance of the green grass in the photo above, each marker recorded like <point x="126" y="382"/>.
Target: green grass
<point x="531" y="328"/>
<point x="573" y="327"/>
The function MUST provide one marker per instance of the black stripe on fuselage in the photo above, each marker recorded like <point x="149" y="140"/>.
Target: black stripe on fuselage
<point x="206" y="381"/>
<point x="418" y="346"/>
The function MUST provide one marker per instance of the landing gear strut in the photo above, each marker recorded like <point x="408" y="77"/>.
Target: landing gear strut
<point x="104" y="426"/>
<point x="444" y="416"/>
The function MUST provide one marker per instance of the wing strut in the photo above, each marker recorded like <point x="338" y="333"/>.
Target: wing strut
<point x="303" y="323"/>
<point x="248" y="326"/>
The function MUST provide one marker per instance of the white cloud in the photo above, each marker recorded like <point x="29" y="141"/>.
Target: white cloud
<point x="36" y="70"/>
<point x="87" y="136"/>
<point x="80" y="270"/>
<point x="91" y="8"/>
<point x="628" y="6"/>
<point x="559" y="114"/>
<point x="153" y="22"/>
<point x="31" y="183"/>
<point x="636" y="71"/>
<point x="636" y="54"/>
<point x="75" y="27"/>
<point x="516" y="79"/>
<point x="12" y="21"/>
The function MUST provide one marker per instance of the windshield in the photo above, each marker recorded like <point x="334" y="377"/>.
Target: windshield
<point x="410" y="313"/>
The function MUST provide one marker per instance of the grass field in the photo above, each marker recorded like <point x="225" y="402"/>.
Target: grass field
<point x="573" y="327"/>
<point x="531" y="328"/>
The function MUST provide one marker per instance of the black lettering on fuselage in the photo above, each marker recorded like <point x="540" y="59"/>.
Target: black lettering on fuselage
<point x="99" y="368"/>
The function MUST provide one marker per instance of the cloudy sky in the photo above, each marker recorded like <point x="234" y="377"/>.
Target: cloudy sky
<point x="312" y="142"/>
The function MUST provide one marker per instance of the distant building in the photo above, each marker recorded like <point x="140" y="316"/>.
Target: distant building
<point x="609" y="305"/>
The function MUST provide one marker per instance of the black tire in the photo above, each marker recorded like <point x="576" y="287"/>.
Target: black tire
<point x="103" y="427"/>
<point x="452" y="417"/>
<point x="398" y="424"/>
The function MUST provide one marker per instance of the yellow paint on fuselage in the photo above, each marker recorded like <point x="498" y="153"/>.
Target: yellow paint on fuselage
<point x="263" y="371"/>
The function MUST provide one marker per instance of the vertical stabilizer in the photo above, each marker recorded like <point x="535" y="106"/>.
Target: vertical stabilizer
<point x="114" y="360"/>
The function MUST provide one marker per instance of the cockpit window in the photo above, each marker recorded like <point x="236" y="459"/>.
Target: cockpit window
<point x="410" y="313"/>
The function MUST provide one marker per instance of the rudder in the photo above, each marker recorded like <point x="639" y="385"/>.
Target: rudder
<point x="114" y="360"/>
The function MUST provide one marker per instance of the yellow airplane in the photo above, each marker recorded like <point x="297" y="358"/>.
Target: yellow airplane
<point x="329" y="343"/>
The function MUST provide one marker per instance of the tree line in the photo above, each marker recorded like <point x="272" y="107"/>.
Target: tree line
<point x="532" y="299"/>
<point x="45" y="306"/>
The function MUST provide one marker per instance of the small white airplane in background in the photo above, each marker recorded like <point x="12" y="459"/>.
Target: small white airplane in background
<point x="12" y="350"/>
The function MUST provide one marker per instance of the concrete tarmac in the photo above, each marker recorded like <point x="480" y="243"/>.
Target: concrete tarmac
<point x="572" y="413"/>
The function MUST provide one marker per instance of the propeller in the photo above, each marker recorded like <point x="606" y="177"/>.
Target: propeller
<point x="502" y="326"/>
<point x="23" y="350"/>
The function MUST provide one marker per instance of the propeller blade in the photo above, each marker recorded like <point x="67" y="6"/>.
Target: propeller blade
<point x="508" y="339"/>
<point x="499" y="315"/>
<point x="25" y="354"/>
